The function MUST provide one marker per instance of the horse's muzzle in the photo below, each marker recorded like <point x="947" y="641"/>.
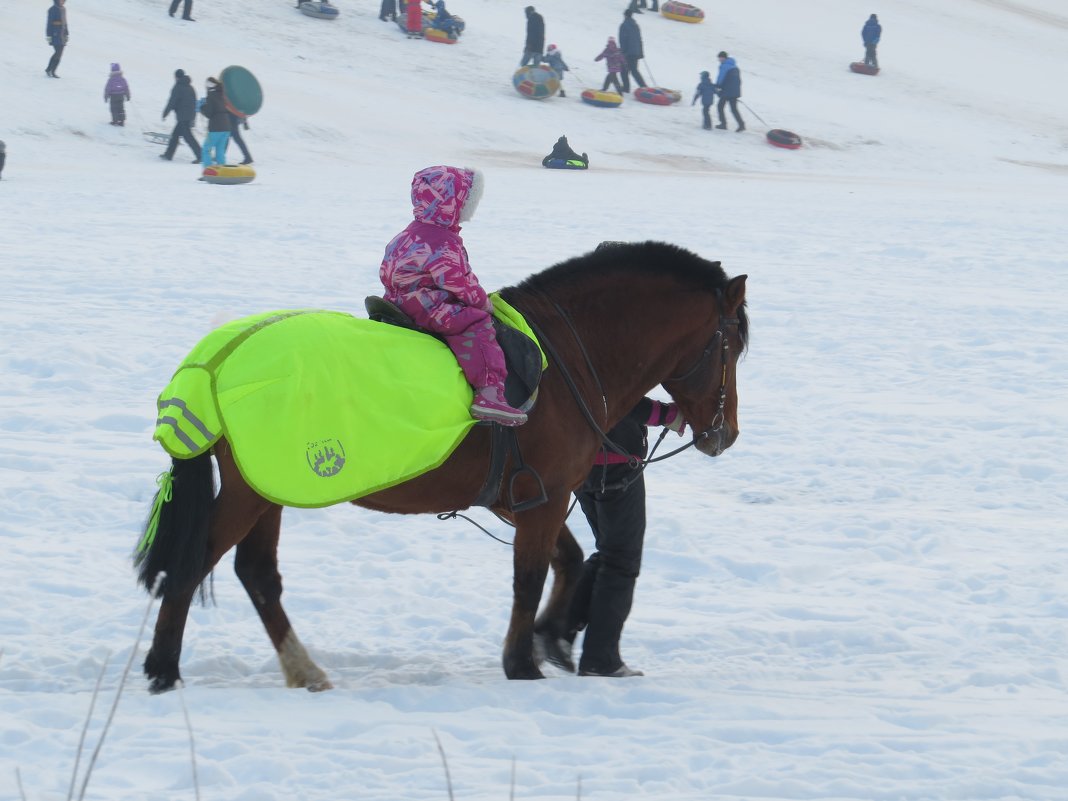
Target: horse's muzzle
<point x="713" y="443"/>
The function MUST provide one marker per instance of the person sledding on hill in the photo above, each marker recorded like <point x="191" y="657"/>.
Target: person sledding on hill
<point x="117" y="92"/>
<point x="614" y="62"/>
<point x="426" y="273"/>
<point x="871" y="33"/>
<point x="58" y="35"/>
<point x="555" y="59"/>
<point x="630" y="42"/>
<point x="183" y="102"/>
<point x="444" y="21"/>
<point x="706" y="90"/>
<point x="562" y="150"/>
<point x="215" y="110"/>
<point x="729" y="86"/>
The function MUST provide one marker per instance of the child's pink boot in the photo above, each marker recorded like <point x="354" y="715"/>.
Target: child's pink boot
<point x="490" y="405"/>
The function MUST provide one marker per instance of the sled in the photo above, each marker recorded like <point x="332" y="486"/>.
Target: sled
<point x="320" y="9"/>
<point x="228" y="174"/>
<point x="156" y="137"/>
<point x="863" y="69"/>
<point x="682" y="12"/>
<point x="242" y="91"/>
<point x="537" y="82"/>
<point x="602" y="99"/>
<point x="657" y="95"/>
<point x="785" y="139"/>
<point x="566" y="164"/>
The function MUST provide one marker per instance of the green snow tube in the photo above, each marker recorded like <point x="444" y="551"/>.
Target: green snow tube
<point x="243" y="91"/>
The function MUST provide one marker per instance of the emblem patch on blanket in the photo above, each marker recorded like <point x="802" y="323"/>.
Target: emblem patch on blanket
<point x="319" y="407"/>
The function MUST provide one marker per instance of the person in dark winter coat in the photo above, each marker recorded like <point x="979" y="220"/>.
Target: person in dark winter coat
<point x="444" y="21"/>
<point x="237" y="122"/>
<point x="218" y="138"/>
<point x="555" y="59"/>
<point x="388" y="11"/>
<point x="729" y="87"/>
<point x="706" y="90"/>
<point x="562" y="150"/>
<point x="630" y="42"/>
<point x="535" y="42"/>
<point x="117" y="92"/>
<point x="614" y="62"/>
<point x="613" y="501"/>
<point x="58" y="35"/>
<point x="871" y="33"/>
<point x="654" y="5"/>
<point x="183" y="102"/>
<point x="187" y="9"/>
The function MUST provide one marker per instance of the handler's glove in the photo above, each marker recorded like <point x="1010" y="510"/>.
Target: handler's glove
<point x="668" y="416"/>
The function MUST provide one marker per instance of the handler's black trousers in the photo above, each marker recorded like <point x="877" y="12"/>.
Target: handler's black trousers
<point x="605" y="591"/>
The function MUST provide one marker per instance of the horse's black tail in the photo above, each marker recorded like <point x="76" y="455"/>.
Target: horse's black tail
<point x="175" y="536"/>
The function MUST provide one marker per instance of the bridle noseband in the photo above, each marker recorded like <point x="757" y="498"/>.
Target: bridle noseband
<point x="719" y="340"/>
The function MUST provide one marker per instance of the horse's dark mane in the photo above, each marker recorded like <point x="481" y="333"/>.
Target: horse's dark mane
<point x="659" y="259"/>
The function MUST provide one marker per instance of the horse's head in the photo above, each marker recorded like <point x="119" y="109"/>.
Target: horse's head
<point x="704" y="384"/>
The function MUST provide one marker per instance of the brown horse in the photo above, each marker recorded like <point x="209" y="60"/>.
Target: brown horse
<point x="615" y="323"/>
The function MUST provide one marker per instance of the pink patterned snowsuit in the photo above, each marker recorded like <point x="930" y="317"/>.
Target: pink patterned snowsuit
<point x="426" y="273"/>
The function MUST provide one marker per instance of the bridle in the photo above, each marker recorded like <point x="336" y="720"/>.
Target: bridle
<point x="719" y="341"/>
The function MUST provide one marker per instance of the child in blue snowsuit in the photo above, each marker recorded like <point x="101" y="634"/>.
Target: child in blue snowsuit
<point x="871" y="33"/>
<point x="706" y="90"/>
<point x="555" y="59"/>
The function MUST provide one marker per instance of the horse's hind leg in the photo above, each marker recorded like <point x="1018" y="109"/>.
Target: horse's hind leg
<point x="552" y="634"/>
<point x="235" y="512"/>
<point x="256" y="564"/>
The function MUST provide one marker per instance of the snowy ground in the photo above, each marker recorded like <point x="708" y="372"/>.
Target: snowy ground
<point x="863" y="599"/>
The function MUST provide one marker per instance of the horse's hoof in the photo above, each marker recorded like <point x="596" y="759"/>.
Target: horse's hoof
<point x="161" y="684"/>
<point x="160" y="679"/>
<point x="526" y="670"/>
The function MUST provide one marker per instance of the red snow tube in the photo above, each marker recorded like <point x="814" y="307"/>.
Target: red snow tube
<point x="863" y="69"/>
<point x="657" y="95"/>
<point x="781" y="138"/>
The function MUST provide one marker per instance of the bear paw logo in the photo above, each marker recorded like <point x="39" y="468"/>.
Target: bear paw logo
<point x="326" y="457"/>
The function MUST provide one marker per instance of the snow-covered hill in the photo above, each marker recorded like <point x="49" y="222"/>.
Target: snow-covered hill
<point x="863" y="599"/>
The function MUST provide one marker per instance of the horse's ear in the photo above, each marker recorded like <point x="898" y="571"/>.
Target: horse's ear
<point x="734" y="294"/>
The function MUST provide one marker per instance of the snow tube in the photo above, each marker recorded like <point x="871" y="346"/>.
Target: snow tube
<point x="228" y="174"/>
<point x="863" y="69"/>
<point x="319" y="8"/>
<point x="438" y="35"/>
<point x="243" y="94"/>
<point x="681" y="12"/>
<point x="566" y="164"/>
<point x="657" y="95"/>
<point x="601" y="99"/>
<point x="537" y="81"/>
<point x="781" y="138"/>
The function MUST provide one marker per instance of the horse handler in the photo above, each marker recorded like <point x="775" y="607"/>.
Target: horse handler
<point x="613" y="500"/>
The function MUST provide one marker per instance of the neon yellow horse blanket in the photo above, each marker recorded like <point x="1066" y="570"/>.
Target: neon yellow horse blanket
<point x="320" y="407"/>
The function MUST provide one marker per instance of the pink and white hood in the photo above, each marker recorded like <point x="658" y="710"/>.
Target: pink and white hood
<point x="425" y="269"/>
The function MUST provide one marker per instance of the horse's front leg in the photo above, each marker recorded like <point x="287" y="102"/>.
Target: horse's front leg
<point x="536" y="533"/>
